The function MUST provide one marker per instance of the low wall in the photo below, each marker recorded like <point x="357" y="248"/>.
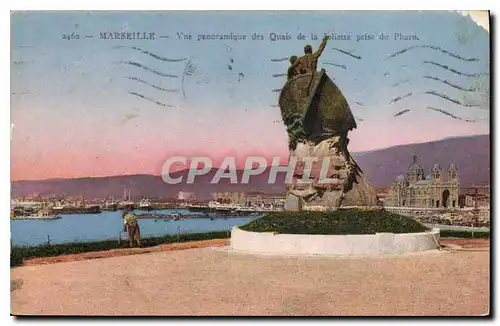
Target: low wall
<point x="333" y="245"/>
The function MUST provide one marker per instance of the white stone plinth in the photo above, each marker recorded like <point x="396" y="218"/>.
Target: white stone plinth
<point x="333" y="245"/>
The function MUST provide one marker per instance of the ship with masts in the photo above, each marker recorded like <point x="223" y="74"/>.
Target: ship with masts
<point x="110" y="204"/>
<point x="126" y="204"/>
<point x="145" y="204"/>
<point x="76" y="207"/>
<point x="215" y="206"/>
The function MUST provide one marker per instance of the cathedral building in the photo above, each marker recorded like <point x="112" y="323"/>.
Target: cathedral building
<point x="439" y="189"/>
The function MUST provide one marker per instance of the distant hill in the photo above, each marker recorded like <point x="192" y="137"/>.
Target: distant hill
<point x="470" y="154"/>
<point x="141" y="185"/>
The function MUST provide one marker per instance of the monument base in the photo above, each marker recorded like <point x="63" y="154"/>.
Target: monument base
<point x="348" y="185"/>
<point x="333" y="245"/>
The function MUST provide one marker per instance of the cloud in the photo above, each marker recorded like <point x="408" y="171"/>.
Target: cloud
<point x="480" y="17"/>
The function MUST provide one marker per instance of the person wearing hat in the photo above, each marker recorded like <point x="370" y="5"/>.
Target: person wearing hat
<point x="130" y="224"/>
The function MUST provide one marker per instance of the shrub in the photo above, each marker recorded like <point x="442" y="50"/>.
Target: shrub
<point x="337" y="222"/>
<point x="464" y="234"/>
<point x="16" y="258"/>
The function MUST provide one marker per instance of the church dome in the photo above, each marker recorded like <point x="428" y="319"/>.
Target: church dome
<point x="413" y="167"/>
<point x="436" y="167"/>
<point x="453" y="166"/>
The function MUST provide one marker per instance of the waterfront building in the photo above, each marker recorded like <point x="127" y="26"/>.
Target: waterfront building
<point x="265" y="200"/>
<point x="185" y="195"/>
<point x="382" y="194"/>
<point x="235" y="198"/>
<point x="257" y="199"/>
<point x="475" y="196"/>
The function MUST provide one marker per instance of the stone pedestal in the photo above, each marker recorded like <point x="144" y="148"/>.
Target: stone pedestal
<point x="335" y="180"/>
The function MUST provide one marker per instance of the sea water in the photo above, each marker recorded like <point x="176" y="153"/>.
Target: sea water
<point x="109" y="225"/>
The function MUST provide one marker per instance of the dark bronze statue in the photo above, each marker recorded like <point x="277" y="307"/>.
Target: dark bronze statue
<point x="291" y="70"/>
<point x="318" y="117"/>
<point x="309" y="61"/>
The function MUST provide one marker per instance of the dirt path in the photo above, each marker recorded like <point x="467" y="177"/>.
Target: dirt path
<point x="212" y="281"/>
<point x="127" y="252"/>
<point x="465" y="243"/>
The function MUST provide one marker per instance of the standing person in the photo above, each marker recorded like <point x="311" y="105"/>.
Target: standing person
<point x="309" y="61"/>
<point x="130" y="224"/>
<point x="291" y="70"/>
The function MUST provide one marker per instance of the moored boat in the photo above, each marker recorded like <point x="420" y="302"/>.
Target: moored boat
<point x="145" y="204"/>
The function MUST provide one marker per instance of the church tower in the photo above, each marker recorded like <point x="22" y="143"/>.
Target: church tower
<point x="453" y="173"/>
<point x="436" y="172"/>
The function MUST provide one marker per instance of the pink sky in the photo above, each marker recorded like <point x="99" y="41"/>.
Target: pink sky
<point x="78" y="111"/>
<point x="65" y="147"/>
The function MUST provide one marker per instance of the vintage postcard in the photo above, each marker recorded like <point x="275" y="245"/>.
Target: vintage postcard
<point x="265" y="163"/>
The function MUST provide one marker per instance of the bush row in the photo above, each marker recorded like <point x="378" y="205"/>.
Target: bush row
<point x="465" y="234"/>
<point x="18" y="253"/>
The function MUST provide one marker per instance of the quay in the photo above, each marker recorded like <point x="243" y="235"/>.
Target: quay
<point x="35" y="217"/>
<point x="136" y="207"/>
<point x="176" y="216"/>
<point x="76" y="210"/>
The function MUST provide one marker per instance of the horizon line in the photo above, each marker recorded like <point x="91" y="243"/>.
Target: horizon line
<point x="242" y="169"/>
